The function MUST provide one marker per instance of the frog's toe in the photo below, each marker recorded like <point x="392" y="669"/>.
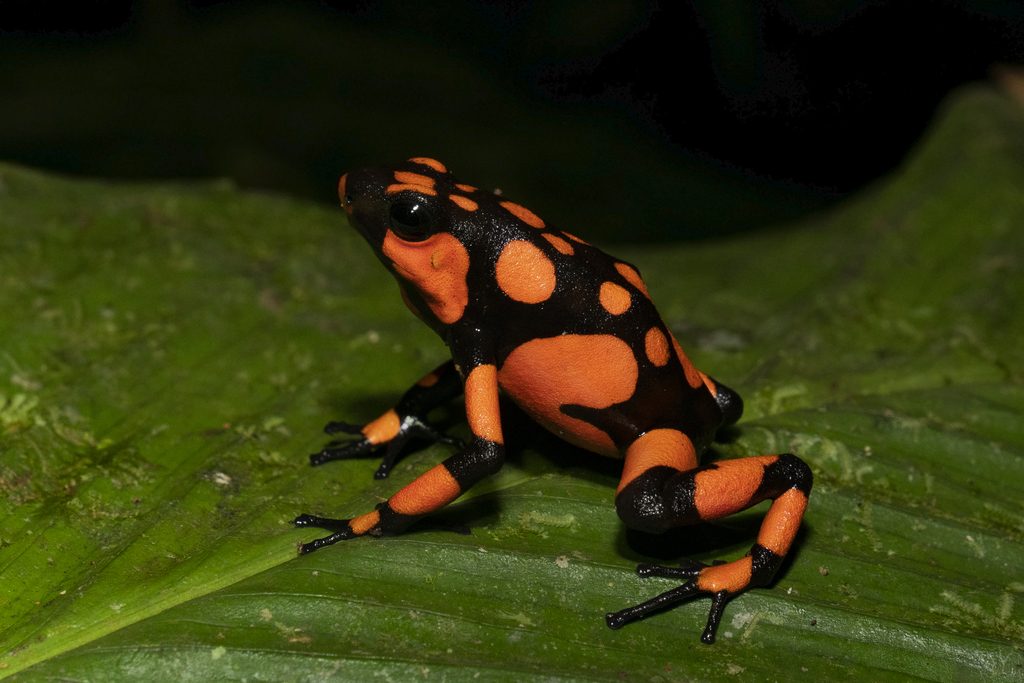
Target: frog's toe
<point x="339" y="427"/>
<point x="353" y="449"/>
<point x="617" y="620"/>
<point x="304" y="520"/>
<point x="343" y="531"/>
<point x="718" y="601"/>
<point x="687" y="569"/>
<point x="316" y="544"/>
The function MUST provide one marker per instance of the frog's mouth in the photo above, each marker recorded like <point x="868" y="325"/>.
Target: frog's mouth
<point x="362" y="194"/>
<point x="375" y="240"/>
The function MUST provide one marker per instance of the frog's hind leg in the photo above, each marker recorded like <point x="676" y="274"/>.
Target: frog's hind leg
<point x="662" y="488"/>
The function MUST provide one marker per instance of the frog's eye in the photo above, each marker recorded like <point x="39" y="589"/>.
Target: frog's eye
<point x="410" y="220"/>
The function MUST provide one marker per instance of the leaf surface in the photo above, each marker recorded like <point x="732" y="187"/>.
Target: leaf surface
<point x="171" y="353"/>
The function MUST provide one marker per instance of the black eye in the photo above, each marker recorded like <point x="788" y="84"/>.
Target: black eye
<point x="411" y="220"/>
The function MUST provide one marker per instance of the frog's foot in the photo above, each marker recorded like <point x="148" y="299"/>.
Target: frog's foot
<point x="391" y="430"/>
<point x="342" y="526"/>
<point x="381" y="522"/>
<point x="722" y="581"/>
<point x="339" y="427"/>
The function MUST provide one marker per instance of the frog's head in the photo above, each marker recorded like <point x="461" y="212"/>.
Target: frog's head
<point x="396" y="199"/>
<point x="413" y="215"/>
<point x="433" y="233"/>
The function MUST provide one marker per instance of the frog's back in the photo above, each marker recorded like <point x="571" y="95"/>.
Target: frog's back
<point x="577" y="342"/>
<point x="594" y="362"/>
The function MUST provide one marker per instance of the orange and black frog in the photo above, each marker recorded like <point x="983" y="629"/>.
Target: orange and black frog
<point x="570" y="335"/>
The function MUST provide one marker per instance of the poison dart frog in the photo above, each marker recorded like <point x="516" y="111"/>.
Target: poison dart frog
<point x="571" y="336"/>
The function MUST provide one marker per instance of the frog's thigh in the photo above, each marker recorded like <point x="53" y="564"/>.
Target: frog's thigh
<point x="596" y="371"/>
<point x="662" y="488"/>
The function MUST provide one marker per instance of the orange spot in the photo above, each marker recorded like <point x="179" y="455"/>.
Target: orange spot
<point x="430" y="491"/>
<point x="709" y="383"/>
<point x="614" y="299"/>
<point x="413" y="178"/>
<point x="464" y="202"/>
<point x="656" y="346"/>
<point x="363" y="523"/>
<point x="731" y="577"/>
<point x="482" y="403"/>
<point x="437" y="268"/>
<point x="782" y="521"/>
<point x="524" y="273"/>
<point x="430" y="379"/>
<point x="436" y="165"/>
<point x="574" y="238"/>
<point x="559" y="244"/>
<point x="408" y="303"/>
<point x="668" y="447"/>
<point x="729" y="487"/>
<point x="422" y="189"/>
<point x="523" y="214"/>
<point x="465" y="188"/>
<point x="596" y="371"/>
<point x="693" y="377"/>
<point x="384" y="428"/>
<point x="341" y="193"/>
<point x="632" y="277"/>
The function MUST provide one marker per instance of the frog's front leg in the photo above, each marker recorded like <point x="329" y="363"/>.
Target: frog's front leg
<point x="440" y="485"/>
<point x="662" y="488"/>
<point x="394" y="429"/>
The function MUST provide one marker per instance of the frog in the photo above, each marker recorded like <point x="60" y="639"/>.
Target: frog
<point x="572" y="337"/>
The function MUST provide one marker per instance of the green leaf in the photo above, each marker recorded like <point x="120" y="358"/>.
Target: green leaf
<point x="170" y="354"/>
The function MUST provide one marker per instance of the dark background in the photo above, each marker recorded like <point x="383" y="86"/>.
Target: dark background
<point x="614" y="119"/>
